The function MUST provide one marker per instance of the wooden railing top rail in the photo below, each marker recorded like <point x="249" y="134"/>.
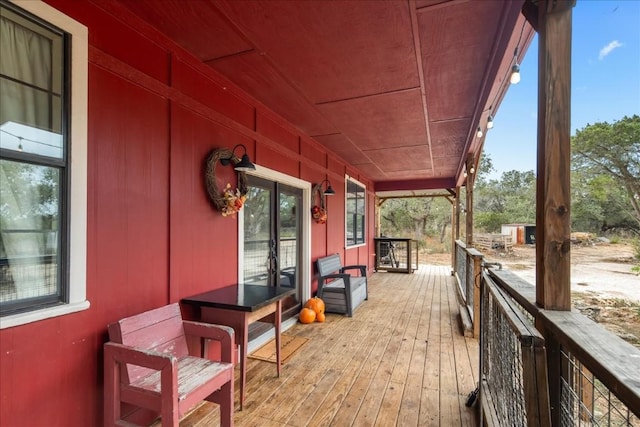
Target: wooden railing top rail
<point x="471" y="251"/>
<point x="521" y="326"/>
<point x="394" y="239"/>
<point x="519" y="289"/>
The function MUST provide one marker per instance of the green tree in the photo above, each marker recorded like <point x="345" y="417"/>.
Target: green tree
<point x="510" y="199"/>
<point x="416" y="218"/>
<point x="407" y="217"/>
<point x="606" y="160"/>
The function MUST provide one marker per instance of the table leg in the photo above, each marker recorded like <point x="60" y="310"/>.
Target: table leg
<point x="277" y="323"/>
<point x="243" y="360"/>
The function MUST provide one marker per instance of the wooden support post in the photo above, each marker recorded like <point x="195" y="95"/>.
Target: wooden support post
<point x="378" y="208"/>
<point x="469" y="188"/>
<point x="553" y="222"/>
<point x="455" y="228"/>
<point x="553" y="189"/>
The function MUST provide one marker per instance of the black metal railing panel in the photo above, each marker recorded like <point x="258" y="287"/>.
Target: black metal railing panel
<point x="461" y="268"/>
<point x="397" y="255"/>
<point x="597" y="386"/>
<point x="586" y="401"/>
<point x="514" y="388"/>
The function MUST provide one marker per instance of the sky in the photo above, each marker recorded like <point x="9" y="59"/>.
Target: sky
<point x="605" y="82"/>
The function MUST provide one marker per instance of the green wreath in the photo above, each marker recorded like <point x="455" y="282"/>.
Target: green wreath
<point x="215" y="195"/>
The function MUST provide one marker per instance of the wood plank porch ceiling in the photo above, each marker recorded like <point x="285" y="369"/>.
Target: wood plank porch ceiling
<point x="394" y="88"/>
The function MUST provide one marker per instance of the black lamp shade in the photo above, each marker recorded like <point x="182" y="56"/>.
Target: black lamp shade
<point x="245" y="164"/>
<point x="329" y="191"/>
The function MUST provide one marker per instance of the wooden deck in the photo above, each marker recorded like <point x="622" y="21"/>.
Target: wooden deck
<point x="401" y="360"/>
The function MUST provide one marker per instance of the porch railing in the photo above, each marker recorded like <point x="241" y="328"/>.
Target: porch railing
<point x="468" y="262"/>
<point x="395" y="254"/>
<point x="593" y="375"/>
<point x="514" y="388"/>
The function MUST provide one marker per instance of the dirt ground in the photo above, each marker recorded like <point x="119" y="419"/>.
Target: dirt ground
<point x="602" y="283"/>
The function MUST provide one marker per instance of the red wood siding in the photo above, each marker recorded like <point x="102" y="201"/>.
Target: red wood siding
<point x="153" y="237"/>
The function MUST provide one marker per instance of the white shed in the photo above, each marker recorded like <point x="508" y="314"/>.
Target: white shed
<point x="522" y="234"/>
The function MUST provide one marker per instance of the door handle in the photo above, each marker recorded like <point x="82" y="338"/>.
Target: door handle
<point x="273" y="257"/>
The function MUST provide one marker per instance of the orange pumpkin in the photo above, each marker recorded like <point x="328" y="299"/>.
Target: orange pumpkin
<point x="307" y="315"/>
<point x="320" y="317"/>
<point x="316" y="304"/>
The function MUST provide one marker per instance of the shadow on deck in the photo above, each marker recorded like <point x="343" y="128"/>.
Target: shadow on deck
<point x="401" y="360"/>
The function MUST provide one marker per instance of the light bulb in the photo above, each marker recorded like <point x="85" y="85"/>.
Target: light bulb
<point x="490" y="122"/>
<point x="479" y="132"/>
<point x="515" y="74"/>
<point x="472" y="170"/>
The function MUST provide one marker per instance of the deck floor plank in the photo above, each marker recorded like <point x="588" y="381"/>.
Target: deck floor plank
<point x="379" y="399"/>
<point x="387" y="304"/>
<point x="401" y="360"/>
<point x="409" y="413"/>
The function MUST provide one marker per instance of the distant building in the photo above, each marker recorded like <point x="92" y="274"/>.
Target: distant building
<point x="522" y="234"/>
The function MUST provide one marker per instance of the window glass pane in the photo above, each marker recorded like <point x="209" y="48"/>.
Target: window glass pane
<point x="26" y="54"/>
<point x="29" y="139"/>
<point x="29" y="231"/>
<point x="355" y="213"/>
<point x="31" y="81"/>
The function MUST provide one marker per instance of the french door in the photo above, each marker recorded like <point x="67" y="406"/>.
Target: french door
<point x="272" y="251"/>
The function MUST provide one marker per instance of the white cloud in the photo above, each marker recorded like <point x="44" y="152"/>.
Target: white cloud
<point x="608" y="49"/>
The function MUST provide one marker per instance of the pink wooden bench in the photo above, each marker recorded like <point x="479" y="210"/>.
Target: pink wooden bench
<point x="147" y="364"/>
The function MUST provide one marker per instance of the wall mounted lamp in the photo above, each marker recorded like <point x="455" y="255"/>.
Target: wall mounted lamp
<point x="244" y="164"/>
<point x="329" y="191"/>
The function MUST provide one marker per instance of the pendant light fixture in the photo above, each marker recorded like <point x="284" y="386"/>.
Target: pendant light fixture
<point x="515" y="70"/>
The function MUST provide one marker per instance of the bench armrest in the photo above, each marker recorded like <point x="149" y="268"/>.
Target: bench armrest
<point x="208" y="331"/>
<point x="362" y="268"/>
<point x="138" y="356"/>
<point x="115" y="355"/>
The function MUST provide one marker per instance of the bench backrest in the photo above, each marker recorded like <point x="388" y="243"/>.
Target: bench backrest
<point x="329" y="264"/>
<point x="159" y="329"/>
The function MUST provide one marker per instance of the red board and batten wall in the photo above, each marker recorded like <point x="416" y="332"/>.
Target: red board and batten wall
<point x="153" y="238"/>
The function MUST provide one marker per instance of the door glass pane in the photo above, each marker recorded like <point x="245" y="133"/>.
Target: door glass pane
<point x="289" y="204"/>
<point x="257" y="235"/>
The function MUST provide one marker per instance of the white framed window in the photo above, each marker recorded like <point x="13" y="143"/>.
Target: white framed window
<point x="355" y="209"/>
<point x="43" y="163"/>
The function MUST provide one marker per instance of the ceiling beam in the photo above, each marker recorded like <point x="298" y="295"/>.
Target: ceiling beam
<point x="423" y="92"/>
